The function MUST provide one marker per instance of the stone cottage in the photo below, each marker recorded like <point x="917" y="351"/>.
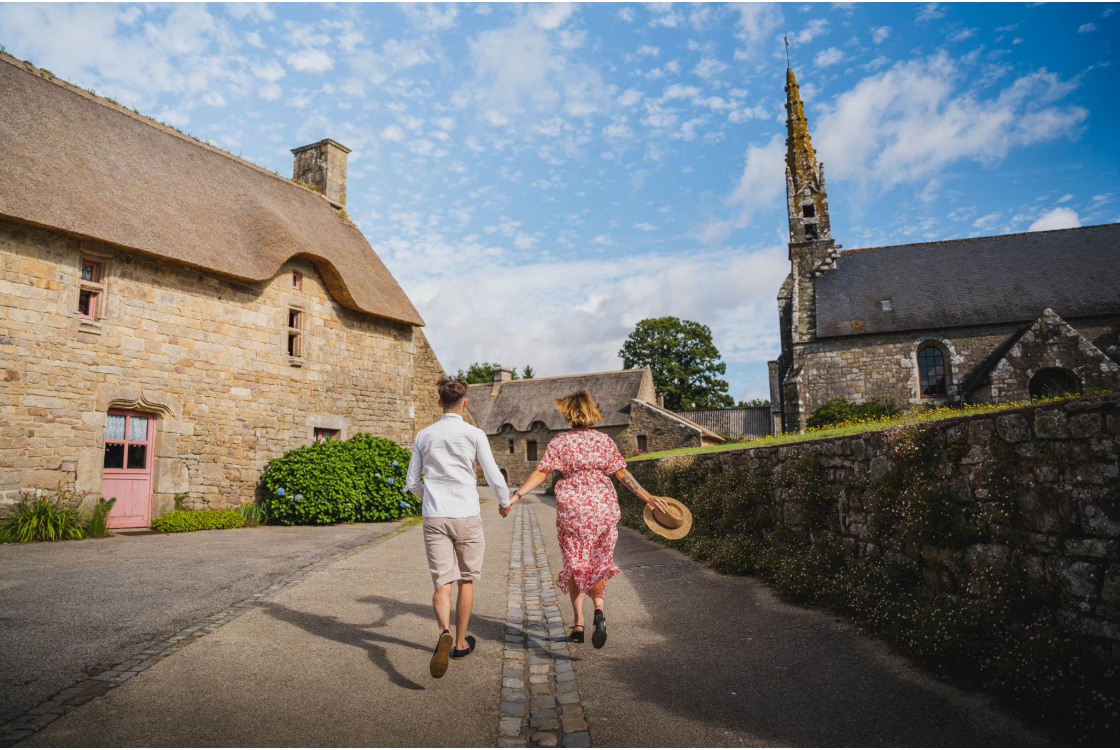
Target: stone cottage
<point x="172" y="317"/>
<point x="989" y="318"/>
<point x="520" y="416"/>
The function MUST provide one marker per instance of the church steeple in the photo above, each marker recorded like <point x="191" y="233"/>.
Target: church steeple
<point x="806" y="195"/>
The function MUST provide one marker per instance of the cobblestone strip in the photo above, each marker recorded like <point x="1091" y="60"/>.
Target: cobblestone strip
<point x="67" y="700"/>
<point x="540" y="704"/>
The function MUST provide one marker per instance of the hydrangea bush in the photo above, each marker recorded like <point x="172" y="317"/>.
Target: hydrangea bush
<point x="338" y="481"/>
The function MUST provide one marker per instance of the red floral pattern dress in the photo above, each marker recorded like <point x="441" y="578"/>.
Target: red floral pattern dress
<point x="587" y="509"/>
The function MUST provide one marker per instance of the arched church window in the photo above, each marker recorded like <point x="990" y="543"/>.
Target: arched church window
<point x="1054" y="382"/>
<point x="932" y="372"/>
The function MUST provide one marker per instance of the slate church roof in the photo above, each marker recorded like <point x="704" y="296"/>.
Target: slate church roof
<point x="985" y="280"/>
<point x="522" y="402"/>
<point x="78" y="163"/>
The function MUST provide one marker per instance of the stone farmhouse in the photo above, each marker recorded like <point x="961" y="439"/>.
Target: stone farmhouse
<point x="520" y="417"/>
<point x="984" y="319"/>
<point x="172" y="317"/>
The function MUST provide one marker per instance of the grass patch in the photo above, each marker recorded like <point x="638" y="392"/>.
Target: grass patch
<point x="862" y="425"/>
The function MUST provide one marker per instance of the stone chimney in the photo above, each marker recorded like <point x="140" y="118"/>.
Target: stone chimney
<point x="322" y="165"/>
<point x="501" y="375"/>
<point x="661" y="400"/>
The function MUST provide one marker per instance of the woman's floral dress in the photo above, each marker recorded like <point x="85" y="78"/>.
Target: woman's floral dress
<point x="587" y="509"/>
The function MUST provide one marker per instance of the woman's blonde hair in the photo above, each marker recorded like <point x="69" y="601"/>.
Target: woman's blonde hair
<point x="579" y="409"/>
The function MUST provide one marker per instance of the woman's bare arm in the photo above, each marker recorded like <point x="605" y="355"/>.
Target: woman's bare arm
<point x="629" y="482"/>
<point x="530" y="484"/>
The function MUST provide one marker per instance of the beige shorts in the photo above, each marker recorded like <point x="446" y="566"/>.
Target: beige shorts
<point x="454" y="547"/>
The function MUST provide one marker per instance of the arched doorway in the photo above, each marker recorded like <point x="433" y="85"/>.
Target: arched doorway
<point x="1052" y="382"/>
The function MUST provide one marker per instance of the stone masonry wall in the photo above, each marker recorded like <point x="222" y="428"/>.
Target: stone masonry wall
<point x="662" y="432"/>
<point x="1057" y="463"/>
<point x="884" y="366"/>
<point x="207" y="354"/>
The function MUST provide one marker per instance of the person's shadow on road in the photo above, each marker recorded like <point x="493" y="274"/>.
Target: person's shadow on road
<point x="363" y="636"/>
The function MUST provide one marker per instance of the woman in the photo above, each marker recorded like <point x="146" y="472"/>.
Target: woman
<point x="587" y="509"/>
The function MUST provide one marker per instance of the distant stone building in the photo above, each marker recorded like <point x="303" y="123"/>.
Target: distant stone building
<point x="520" y="416"/>
<point x="172" y="317"/>
<point x="990" y="318"/>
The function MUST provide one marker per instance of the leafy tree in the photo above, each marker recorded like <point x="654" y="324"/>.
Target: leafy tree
<point x="753" y="403"/>
<point x="481" y="372"/>
<point x="685" y="363"/>
<point x="528" y="373"/>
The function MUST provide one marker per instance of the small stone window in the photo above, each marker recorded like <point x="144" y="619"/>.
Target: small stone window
<point x="89" y="290"/>
<point x="643" y="443"/>
<point x="326" y="433"/>
<point x="808" y="210"/>
<point x="886" y="305"/>
<point x="932" y="372"/>
<point x="531" y="450"/>
<point x="511" y="447"/>
<point x="811" y="231"/>
<point x="295" y="333"/>
<point x="297" y="281"/>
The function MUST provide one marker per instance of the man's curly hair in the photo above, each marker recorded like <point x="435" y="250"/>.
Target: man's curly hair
<point x="451" y="391"/>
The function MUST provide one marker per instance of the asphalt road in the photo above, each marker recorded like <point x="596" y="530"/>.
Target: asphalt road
<point x="69" y="610"/>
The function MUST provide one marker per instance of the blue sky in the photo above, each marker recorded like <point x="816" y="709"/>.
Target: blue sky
<point x="541" y="177"/>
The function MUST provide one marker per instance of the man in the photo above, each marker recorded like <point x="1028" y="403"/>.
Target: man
<point x="445" y="453"/>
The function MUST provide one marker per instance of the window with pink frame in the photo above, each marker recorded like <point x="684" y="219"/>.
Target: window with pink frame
<point x="128" y="441"/>
<point x="89" y="293"/>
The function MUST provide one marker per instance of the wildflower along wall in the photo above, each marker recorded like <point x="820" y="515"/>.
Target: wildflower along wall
<point x="970" y="540"/>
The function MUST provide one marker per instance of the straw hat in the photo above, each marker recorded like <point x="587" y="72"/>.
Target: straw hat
<point x="674" y="524"/>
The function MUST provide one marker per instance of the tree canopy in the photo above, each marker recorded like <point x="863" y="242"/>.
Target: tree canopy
<point x="483" y="372"/>
<point x="685" y="363"/>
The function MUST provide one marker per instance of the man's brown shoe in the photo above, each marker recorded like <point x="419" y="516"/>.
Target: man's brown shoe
<point x="439" y="663"/>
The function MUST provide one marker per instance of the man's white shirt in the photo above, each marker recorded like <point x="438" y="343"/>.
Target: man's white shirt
<point x="445" y="453"/>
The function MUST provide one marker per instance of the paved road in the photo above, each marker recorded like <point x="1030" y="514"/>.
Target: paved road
<point x="71" y="609"/>
<point x="694" y="658"/>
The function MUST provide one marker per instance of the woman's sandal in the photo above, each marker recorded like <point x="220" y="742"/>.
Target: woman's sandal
<point x="577" y="635"/>
<point x="599" y="639"/>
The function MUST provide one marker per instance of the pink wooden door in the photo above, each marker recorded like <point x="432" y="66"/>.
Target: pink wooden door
<point x="127" y="472"/>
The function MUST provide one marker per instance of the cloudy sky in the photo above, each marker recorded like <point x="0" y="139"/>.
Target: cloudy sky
<point x="541" y="177"/>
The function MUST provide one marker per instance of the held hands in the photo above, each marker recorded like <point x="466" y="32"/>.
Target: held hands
<point x="512" y="499"/>
<point x="658" y="504"/>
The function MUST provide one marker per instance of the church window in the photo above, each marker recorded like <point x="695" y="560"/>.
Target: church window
<point x="811" y="231"/>
<point x="808" y="210"/>
<point x="932" y="374"/>
<point x="531" y="450"/>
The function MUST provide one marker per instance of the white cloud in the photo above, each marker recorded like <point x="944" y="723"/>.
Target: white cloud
<point x="930" y="12"/>
<point x="963" y="34"/>
<point x="1058" y="218"/>
<point x="812" y="30"/>
<point x="629" y="97"/>
<point x="393" y="133"/>
<point x="644" y="226"/>
<point x="404" y="54"/>
<point x="709" y="67"/>
<point x="911" y="120"/>
<point x="1085" y="28"/>
<point x="625" y="14"/>
<point x="214" y="99"/>
<point x="270" y="70"/>
<point x="755" y="26"/>
<point x="270" y="92"/>
<point x="431" y="16"/>
<point x="879" y="34"/>
<point x="987" y="221"/>
<point x="310" y="60"/>
<point x="254" y="39"/>
<point x="647" y="51"/>
<point x="758" y="189"/>
<point x="1065" y="198"/>
<point x="827" y="57"/>
<point x="549" y="16"/>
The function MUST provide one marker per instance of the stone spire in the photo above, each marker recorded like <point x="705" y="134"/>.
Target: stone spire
<point x="805" y="186"/>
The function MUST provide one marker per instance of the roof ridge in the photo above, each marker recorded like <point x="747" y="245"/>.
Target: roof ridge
<point x="974" y="239"/>
<point x="112" y="105"/>
<point x="560" y="377"/>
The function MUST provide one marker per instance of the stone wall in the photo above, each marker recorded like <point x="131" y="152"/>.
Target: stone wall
<point x="1046" y="478"/>
<point x="662" y="432"/>
<point x="884" y="366"/>
<point x="206" y="354"/>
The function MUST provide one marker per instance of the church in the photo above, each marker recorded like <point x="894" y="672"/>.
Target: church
<point x="994" y="319"/>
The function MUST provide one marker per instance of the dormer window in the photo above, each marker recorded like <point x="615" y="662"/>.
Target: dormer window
<point x="297" y="281"/>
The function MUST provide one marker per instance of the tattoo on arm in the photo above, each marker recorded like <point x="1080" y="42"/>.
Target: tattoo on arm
<point x="631" y="483"/>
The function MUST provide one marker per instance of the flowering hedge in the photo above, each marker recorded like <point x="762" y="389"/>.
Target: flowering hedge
<point x="360" y="479"/>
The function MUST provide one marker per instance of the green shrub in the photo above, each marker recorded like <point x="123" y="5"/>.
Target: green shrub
<point x="254" y="514"/>
<point x="360" y="479"/>
<point x="42" y="518"/>
<point x="838" y="411"/>
<point x="98" y="526"/>
<point x="198" y="520"/>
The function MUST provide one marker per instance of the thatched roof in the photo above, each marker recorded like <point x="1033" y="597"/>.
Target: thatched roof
<point x="80" y="164"/>
<point x="522" y="402"/>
